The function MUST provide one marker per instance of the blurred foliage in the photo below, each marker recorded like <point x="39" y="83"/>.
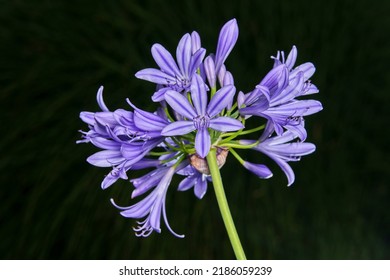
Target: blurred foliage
<point x="55" y="54"/>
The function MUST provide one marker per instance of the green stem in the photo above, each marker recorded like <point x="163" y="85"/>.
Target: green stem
<point x="223" y="205"/>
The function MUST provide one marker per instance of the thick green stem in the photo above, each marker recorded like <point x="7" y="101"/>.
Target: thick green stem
<point x="223" y="205"/>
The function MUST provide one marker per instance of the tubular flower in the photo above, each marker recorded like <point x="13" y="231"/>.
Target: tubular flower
<point x="198" y="112"/>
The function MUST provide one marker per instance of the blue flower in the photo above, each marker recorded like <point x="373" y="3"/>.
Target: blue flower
<point x="283" y="149"/>
<point x="196" y="113"/>
<point x="201" y="116"/>
<point x="274" y="98"/>
<point x="172" y="75"/>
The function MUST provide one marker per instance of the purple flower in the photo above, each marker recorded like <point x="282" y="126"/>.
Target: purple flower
<point x="201" y="115"/>
<point x="281" y="149"/>
<point x="124" y="137"/>
<point x="195" y="180"/>
<point x="260" y="170"/>
<point x="194" y="117"/>
<point x="214" y="65"/>
<point x="226" y="41"/>
<point x="275" y="97"/>
<point x="172" y="75"/>
<point x="152" y="206"/>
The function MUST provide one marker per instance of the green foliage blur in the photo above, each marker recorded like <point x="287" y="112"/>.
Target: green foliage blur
<point x="55" y="54"/>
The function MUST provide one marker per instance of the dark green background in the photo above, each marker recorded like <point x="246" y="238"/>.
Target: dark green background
<point x="55" y="54"/>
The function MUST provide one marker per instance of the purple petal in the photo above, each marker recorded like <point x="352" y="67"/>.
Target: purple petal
<point x="195" y="42"/>
<point x="309" y="89"/>
<point x="105" y="158"/>
<point x="199" y="95"/>
<point x="100" y="101"/>
<point x="209" y="68"/>
<point x="180" y="104"/>
<point x="221" y="74"/>
<point x="148" y="122"/>
<point x="220" y="100"/>
<point x="276" y="79"/>
<point x="226" y="41"/>
<point x="164" y="60"/>
<point x="286" y="168"/>
<point x="187" y="183"/>
<point x="159" y="95"/>
<point x="297" y="108"/>
<point x="202" y="142"/>
<point x="298" y="130"/>
<point x="178" y="128"/>
<point x="291" y="58"/>
<point x="106" y="119"/>
<point x="291" y="91"/>
<point x="183" y="54"/>
<point x="196" y="61"/>
<point x="155" y="76"/>
<point x="228" y="79"/>
<point x="88" y="117"/>
<point x="200" y="187"/>
<point x="307" y="68"/>
<point x="105" y="144"/>
<point x="225" y="124"/>
<point x="108" y="181"/>
<point x="292" y="150"/>
<point x="259" y="170"/>
<point x="130" y="151"/>
<point x="240" y="99"/>
<point x="162" y="187"/>
<point x="268" y="130"/>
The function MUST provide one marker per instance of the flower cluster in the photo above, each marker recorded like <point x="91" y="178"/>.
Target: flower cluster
<point x="199" y="110"/>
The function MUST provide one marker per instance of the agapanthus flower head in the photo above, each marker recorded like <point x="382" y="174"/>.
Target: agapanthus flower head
<point x="199" y="112"/>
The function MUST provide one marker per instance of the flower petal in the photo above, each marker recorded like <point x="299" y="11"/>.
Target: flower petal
<point x="297" y="108"/>
<point x="165" y="60"/>
<point x="100" y="101"/>
<point x="183" y="54"/>
<point x="159" y="95"/>
<point x="209" y="68"/>
<point x="225" y="124"/>
<point x="105" y="144"/>
<point x="202" y="142"/>
<point x="200" y="187"/>
<point x="180" y="104"/>
<point x="307" y="68"/>
<point x="178" y="128"/>
<point x="106" y="158"/>
<point x="196" y="61"/>
<point x="291" y="91"/>
<point x="220" y="100"/>
<point x="199" y="95"/>
<point x="155" y="76"/>
<point x="259" y="170"/>
<point x="148" y="122"/>
<point x="195" y="42"/>
<point x="187" y="183"/>
<point x="291" y="58"/>
<point x="226" y="41"/>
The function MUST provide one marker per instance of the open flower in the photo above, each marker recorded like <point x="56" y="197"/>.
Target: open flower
<point x="201" y="115"/>
<point x="172" y="75"/>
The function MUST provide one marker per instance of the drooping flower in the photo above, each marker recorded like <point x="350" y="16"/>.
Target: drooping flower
<point x="283" y="149"/>
<point x="152" y="206"/>
<point x="201" y="116"/>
